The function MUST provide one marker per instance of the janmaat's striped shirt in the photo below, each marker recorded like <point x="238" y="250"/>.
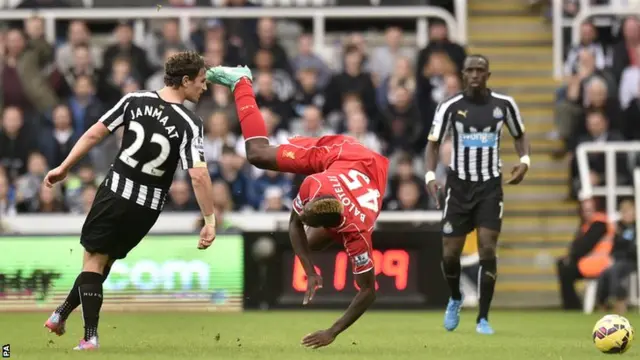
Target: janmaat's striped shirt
<point x="157" y="134"/>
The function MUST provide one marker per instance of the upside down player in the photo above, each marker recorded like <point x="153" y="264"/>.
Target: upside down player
<point x="339" y="198"/>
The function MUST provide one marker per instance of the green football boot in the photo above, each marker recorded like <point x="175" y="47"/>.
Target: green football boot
<point x="228" y="76"/>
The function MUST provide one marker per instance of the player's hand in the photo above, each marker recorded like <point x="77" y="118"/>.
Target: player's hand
<point x="517" y="173"/>
<point x="54" y="176"/>
<point x="207" y="235"/>
<point x="318" y="339"/>
<point x="433" y="188"/>
<point x="314" y="282"/>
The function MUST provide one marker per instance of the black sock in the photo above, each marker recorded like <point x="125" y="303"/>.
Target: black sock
<point x="451" y="270"/>
<point x="90" y="290"/>
<point x="71" y="302"/>
<point x="487" y="277"/>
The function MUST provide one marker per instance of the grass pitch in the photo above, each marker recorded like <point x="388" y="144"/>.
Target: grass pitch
<point x="520" y="335"/>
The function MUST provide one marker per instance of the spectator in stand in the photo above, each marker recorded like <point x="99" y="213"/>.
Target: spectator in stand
<point x="56" y="144"/>
<point x="266" y="97"/>
<point x="217" y="136"/>
<point x="28" y="185"/>
<point x="624" y="51"/>
<point x="283" y="85"/>
<point x="312" y="124"/>
<point x="34" y="30"/>
<point x="452" y="85"/>
<point x="384" y="58"/>
<point x="273" y="200"/>
<point x="408" y="198"/>
<point x="113" y="82"/>
<point x="403" y="129"/>
<point x="357" y="127"/>
<point x="270" y="179"/>
<point x="352" y="81"/>
<point x="180" y="198"/>
<point x="439" y="42"/>
<point x="124" y="48"/>
<point x="631" y="119"/>
<point x="614" y="280"/>
<point x="23" y="82"/>
<point x="88" y="195"/>
<point x="308" y="91"/>
<point x="16" y="143"/>
<point x="588" y="41"/>
<point x="169" y="38"/>
<point x="218" y="100"/>
<point x="82" y="65"/>
<point x="402" y="76"/>
<point x="229" y="170"/>
<point x="306" y="59"/>
<point x="78" y="34"/>
<point x="241" y="32"/>
<point x="268" y="40"/>
<point x="598" y="131"/>
<point x="214" y="32"/>
<point x="630" y="82"/>
<point x="404" y="172"/>
<point x="156" y="80"/>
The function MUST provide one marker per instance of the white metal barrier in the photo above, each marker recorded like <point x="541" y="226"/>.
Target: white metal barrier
<point x="617" y="7"/>
<point x="318" y="15"/>
<point x="185" y="222"/>
<point x="611" y="191"/>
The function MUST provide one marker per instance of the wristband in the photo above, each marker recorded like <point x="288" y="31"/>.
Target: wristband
<point x="526" y="160"/>
<point x="210" y="220"/>
<point x="429" y="177"/>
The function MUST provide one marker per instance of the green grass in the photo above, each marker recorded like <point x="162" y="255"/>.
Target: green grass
<point x="520" y="335"/>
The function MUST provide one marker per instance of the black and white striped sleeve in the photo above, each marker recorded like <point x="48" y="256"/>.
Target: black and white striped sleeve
<point x="192" y="145"/>
<point x="514" y="119"/>
<point x="441" y="119"/>
<point x="114" y="118"/>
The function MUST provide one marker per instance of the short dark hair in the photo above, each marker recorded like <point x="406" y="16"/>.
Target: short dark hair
<point x="186" y="63"/>
<point x="480" y="56"/>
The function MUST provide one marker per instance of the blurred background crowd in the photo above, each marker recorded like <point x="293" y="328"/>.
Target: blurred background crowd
<point x="51" y="93"/>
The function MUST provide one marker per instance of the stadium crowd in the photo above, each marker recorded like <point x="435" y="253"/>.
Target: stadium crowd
<point x="51" y="93"/>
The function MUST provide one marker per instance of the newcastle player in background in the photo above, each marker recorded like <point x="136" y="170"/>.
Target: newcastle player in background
<point x="159" y="132"/>
<point x="473" y="194"/>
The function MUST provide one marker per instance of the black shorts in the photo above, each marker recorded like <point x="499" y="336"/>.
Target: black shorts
<point x="469" y="205"/>
<point x="115" y="225"/>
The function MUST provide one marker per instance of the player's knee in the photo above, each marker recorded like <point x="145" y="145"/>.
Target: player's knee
<point x="487" y="252"/>
<point x="452" y="248"/>
<point x="94" y="262"/>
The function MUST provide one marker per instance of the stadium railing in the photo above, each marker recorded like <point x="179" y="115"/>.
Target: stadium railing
<point x="185" y="222"/>
<point x="587" y="10"/>
<point x="317" y="14"/>
<point x="610" y="191"/>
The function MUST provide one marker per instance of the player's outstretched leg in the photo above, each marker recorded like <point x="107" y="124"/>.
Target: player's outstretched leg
<point x="487" y="241"/>
<point x="56" y="323"/>
<point x="452" y="270"/>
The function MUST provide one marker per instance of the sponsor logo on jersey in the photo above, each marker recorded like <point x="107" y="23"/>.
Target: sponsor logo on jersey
<point x="289" y="154"/>
<point x="479" y="140"/>
<point x="198" y="143"/>
<point x="361" y="260"/>
<point x="447" y="228"/>
<point x="463" y="113"/>
<point x="297" y="203"/>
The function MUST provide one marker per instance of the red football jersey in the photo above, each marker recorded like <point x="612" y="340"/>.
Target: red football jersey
<point x="347" y="170"/>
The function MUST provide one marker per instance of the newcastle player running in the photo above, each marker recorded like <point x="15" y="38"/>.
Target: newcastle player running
<point x="158" y="132"/>
<point x="473" y="194"/>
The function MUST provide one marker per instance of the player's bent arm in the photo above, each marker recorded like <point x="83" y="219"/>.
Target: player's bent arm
<point x="261" y="154"/>
<point x="87" y="141"/>
<point x="364" y="298"/>
<point x="299" y="242"/>
<point x="203" y="189"/>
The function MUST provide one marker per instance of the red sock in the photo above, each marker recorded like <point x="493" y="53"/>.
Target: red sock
<point x="251" y="121"/>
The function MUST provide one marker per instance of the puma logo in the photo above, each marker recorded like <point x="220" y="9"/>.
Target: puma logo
<point x="491" y="275"/>
<point x="463" y="113"/>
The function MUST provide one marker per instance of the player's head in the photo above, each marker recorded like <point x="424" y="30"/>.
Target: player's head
<point x="323" y="211"/>
<point x="185" y="71"/>
<point x="475" y="73"/>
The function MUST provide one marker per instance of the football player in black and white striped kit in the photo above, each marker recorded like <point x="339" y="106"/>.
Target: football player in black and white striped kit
<point x="473" y="194"/>
<point x="159" y="132"/>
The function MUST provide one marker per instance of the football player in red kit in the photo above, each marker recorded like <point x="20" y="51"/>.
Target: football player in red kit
<point x="340" y="199"/>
